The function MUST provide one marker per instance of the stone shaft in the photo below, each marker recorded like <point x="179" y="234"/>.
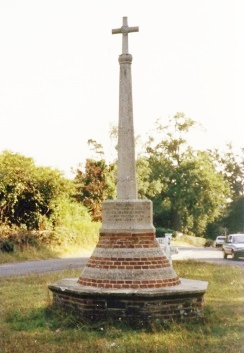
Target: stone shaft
<point x="127" y="254"/>
<point x="126" y="178"/>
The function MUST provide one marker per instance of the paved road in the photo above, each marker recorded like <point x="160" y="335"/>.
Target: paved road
<point x="42" y="266"/>
<point x="205" y="254"/>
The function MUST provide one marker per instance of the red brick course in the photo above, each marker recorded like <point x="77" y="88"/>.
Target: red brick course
<point x="127" y="240"/>
<point x="117" y="272"/>
<point x="128" y="263"/>
<point x="134" y="284"/>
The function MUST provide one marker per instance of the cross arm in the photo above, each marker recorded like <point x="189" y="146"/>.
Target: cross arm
<point x="125" y="30"/>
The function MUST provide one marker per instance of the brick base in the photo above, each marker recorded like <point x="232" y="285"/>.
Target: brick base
<point x="184" y="302"/>
<point x="128" y="260"/>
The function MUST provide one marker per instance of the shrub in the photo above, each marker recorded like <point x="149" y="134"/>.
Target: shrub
<point x="160" y="232"/>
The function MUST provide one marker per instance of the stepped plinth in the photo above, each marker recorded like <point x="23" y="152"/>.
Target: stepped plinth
<point x="127" y="255"/>
<point x="128" y="276"/>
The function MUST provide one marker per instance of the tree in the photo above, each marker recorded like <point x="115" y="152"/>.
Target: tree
<point x="190" y="192"/>
<point x="28" y="194"/>
<point x="96" y="183"/>
<point x="231" y="165"/>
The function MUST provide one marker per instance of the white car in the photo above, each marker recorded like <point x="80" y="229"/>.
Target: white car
<point x="234" y="246"/>
<point x="220" y="240"/>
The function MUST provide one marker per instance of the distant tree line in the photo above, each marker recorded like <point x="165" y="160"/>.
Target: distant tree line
<point x="38" y="207"/>
<point x="195" y="192"/>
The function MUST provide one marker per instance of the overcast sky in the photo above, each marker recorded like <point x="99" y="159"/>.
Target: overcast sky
<point x="59" y="72"/>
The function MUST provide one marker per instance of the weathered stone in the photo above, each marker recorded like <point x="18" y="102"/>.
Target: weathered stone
<point x="126" y="178"/>
<point x="129" y="275"/>
<point x="120" y="216"/>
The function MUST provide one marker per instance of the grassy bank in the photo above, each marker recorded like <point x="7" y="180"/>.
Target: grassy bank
<point x="29" y="324"/>
<point x="22" y="245"/>
<point x="44" y="253"/>
<point x="81" y="244"/>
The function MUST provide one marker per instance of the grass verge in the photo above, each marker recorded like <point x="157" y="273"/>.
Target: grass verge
<point x="42" y="251"/>
<point x="30" y="324"/>
<point x="62" y="242"/>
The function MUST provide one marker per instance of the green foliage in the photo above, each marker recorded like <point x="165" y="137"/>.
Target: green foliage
<point x="231" y="165"/>
<point x="192" y="191"/>
<point x="189" y="192"/>
<point x="36" y="208"/>
<point x="160" y="232"/>
<point x="73" y="225"/>
<point x="6" y="245"/>
<point x="147" y="185"/>
<point x="73" y="230"/>
<point x="95" y="185"/>
<point x="28" y="193"/>
<point x="233" y="221"/>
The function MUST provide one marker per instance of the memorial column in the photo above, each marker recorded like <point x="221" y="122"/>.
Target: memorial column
<point x="126" y="178"/>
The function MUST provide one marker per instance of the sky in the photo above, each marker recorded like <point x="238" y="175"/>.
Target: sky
<point x="59" y="73"/>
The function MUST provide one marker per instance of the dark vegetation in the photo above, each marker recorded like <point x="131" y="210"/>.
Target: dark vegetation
<point x="195" y="192"/>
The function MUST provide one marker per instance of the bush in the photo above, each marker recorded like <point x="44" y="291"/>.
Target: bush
<point x="29" y="193"/>
<point x="6" y="245"/>
<point x="72" y="227"/>
<point x="160" y="232"/>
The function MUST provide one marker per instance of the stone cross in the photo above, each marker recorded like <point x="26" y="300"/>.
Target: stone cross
<point x="126" y="177"/>
<point x="125" y="30"/>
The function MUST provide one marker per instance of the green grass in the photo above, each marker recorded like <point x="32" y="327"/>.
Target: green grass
<point x="52" y="250"/>
<point x="74" y="238"/>
<point x="28" y="323"/>
<point x="190" y="240"/>
<point x="29" y="253"/>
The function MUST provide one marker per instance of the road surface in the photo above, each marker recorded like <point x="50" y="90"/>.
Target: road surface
<point x="205" y="254"/>
<point x="42" y="266"/>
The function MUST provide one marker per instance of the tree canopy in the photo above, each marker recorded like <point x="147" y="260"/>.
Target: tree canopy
<point x="29" y="194"/>
<point x="231" y="165"/>
<point x="189" y="192"/>
<point x="96" y="183"/>
<point x="192" y="191"/>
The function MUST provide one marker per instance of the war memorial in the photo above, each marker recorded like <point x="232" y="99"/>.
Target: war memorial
<point x="128" y="276"/>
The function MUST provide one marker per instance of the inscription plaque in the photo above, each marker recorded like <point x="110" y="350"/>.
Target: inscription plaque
<point x="125" y="215"/>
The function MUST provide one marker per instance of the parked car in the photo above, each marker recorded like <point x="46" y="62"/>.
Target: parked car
<point x="219" y="241"/>
<point x="234" y="246"/>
